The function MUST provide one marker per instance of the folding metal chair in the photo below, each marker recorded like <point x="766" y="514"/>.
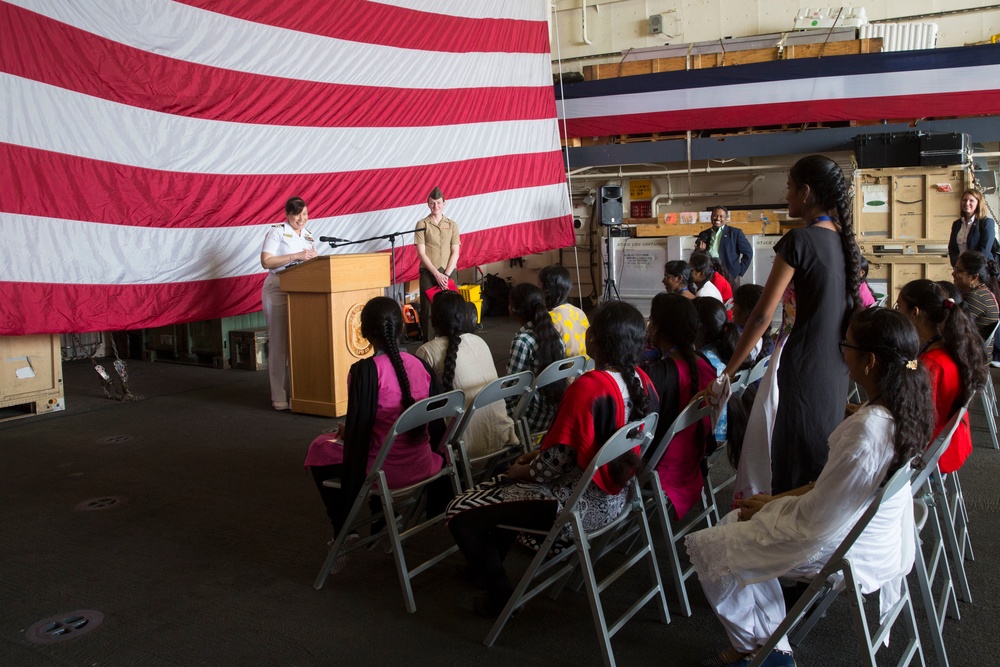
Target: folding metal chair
<point x="659" y="504"/>
<point x="758" y="370"/>
<point x="557" y="371"/>
<point x="448" y="406"/>
<point x="712" y="488"/>
<point x="949" y="504"/>
<point x="989" y="396"/>
<point x="510" y="386"/>
<point x="554" y="569"/>
<point x="927" y="568"/>
<point x="837" y="575"/>
<point x="739" y="382"/>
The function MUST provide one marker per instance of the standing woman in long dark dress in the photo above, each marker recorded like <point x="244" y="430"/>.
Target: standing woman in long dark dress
<point x="815" y="276"/>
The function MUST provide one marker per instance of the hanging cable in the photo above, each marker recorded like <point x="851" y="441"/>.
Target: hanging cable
<point x="569" y="176"/>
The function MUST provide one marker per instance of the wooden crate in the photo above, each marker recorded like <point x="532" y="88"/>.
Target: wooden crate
<point x="31" y="380"/>
<point x="907" y="206"/>
<point x="887" y="275"/>
<point x="248" y="349"/>
<point x="725" y="59"/>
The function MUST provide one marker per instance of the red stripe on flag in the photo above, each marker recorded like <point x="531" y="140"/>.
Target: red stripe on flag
<point x="37" y="308"/>
<point x="971" y="103"/>
<point x="45" y="50"/>
<point x="377" y="23"/>
<point x="55" y="185"/>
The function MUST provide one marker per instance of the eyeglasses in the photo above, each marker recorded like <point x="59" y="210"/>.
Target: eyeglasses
<point x="844" y="344"/>
<point x="958" y="270"/>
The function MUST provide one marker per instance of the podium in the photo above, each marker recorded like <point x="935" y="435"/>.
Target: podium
<point x="325" y="298"/>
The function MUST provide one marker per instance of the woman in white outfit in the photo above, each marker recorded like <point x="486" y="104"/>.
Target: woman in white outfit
<point x="739" y="561"/>
<point x="286" y="244"/>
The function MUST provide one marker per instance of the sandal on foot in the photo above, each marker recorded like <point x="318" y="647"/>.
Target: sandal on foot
<point x="723" y="658"/>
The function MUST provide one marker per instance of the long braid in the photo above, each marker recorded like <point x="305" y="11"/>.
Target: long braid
<point x="832" y="193"/>
<point x="450" y="360"/>
<point x="391" y="348"/>
<point x="636" y="392"/>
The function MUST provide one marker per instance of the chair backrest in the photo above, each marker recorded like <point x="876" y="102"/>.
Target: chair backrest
<point x="449" y="405"/>
<point x="590" y="365"/>
<point x="898" y="480"/>
<point x="689" y="416"/>
<point x="925" y="463"/>
<point x="758" y="370"/>
<point x="739" y="382"/>
<point x="623" y="440"/>
<point x="563" y="369"/>
<point x="989" y="339"/>
<point x="515" y="385"/>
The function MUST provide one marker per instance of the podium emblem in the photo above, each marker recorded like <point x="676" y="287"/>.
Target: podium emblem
<point x="357" y="344"/>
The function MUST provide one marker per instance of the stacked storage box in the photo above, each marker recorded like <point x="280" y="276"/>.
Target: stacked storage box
<point x="903" y="219"/>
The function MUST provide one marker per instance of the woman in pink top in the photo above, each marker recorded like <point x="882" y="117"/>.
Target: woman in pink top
<point x="678" y="375"/>
<point x="379" y="389"/>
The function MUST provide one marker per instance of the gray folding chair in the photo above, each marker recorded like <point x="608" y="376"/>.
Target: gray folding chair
<point x="927" y="568"/>
<point x="739" y="382"/>
<point x="447" y="406"/>
<point x="837" y="575"/>
<point x="554" y="569"/>
<point x="758" y="370"/>
<point x="989" y="396"/>
<point x="949" y="503"/>
<point x="712" y="488"/>
<point x="659" y="504"/>
<point x="557" y="371"/>
<point x="510" y="386"/>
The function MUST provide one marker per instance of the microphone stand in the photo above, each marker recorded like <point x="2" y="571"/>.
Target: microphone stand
<point x="391" y="237"/>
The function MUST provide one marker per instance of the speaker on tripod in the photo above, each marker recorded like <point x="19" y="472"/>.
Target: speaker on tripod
<point x="609" y="209"/>
<point x="610" y="203"/>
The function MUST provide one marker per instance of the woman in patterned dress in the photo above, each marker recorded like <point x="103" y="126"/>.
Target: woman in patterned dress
<point x="533" y="491"/>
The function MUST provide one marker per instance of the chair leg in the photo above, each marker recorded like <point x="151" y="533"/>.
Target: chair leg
<point x="661" y="508"/>
<point x="396" y="545"/>
<point x="924" y="583"/>
<point x="955" y="551"/>
<point x="654" y="569"/>
<point x="338" y="542"/>
<point x="860" y="623"/>
<point x="957" y="508"/>
<point x="593" y="595"/>
<point x="991" y="423"/>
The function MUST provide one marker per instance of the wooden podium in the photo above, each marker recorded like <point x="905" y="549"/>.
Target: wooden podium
<point x="325" y="298"/>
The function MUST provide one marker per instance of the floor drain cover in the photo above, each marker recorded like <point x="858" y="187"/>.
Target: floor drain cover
<point x="64" y="626"/>
<point x="102" y="503"/>
<point x="112" y="439"/>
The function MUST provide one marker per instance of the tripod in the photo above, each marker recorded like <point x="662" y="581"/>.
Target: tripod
<point x="610" y="286"/>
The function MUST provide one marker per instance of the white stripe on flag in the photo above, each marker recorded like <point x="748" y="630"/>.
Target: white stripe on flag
<point x="67" y="122"/>
<point x="525" y="10"/>
<point x="101" y="254"/>
<point x="191" y="34"/>
<point x="919" y="82"/>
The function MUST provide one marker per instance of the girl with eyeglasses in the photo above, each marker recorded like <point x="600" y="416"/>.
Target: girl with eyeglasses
<point x="740" y="560"/>
<point x="976" y="277"/>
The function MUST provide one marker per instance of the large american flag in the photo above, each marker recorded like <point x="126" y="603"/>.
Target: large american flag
<point x="147" y="145"/>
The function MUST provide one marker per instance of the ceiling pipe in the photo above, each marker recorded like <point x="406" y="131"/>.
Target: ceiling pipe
<point x="578" y="174"/>
<point x="658" y="200"/>
<point x="583" y="8"/>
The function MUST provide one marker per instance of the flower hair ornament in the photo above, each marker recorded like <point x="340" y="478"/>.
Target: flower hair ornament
<point x="912" y="364"/>
<point x="949" y="303"/>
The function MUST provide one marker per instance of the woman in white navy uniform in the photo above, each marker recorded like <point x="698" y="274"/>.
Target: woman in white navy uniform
<point x="286" y="244"/>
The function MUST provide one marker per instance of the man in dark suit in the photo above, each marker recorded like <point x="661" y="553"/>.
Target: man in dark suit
<point x="728" y="244"/>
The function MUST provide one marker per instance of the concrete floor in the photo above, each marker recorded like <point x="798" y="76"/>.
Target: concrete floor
<point x="210" y="555"/>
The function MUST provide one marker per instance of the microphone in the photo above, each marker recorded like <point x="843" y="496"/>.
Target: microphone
<point x="333" y="239"/>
